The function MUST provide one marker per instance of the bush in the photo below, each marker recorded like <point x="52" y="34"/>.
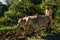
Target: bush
<point x="57" y="17"/>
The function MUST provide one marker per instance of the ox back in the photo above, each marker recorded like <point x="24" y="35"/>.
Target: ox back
<point x="40" y="22"/>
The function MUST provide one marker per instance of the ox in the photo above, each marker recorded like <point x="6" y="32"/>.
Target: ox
<point x="35" y="22"/>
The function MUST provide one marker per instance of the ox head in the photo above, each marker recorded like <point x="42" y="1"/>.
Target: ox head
<point x="21" y="22"/>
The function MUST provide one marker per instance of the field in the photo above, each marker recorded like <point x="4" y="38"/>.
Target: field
<point x="9" y="30"/>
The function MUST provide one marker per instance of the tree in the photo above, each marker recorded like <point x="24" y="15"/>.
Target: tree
<point x="21" y="8"/>
<point x="3" y="8"/>
<point x="8" y="1"/>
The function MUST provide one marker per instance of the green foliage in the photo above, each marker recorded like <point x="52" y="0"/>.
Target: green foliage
<point x="27" y="7"/>
<point x="19" y="9"/>
<point x="3" y="8"/>
<point x="2" y="20"/>
<point x="58" y="13"/>
<point x="8" y="27"/>
<point x="36" y="1"/>
<point x="57" y="18"/>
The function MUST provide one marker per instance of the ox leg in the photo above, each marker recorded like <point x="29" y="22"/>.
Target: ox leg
<point x="41" y="34"/>
<point x="48" y="29"/>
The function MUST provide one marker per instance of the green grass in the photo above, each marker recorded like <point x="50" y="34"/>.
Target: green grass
<point x="8" y="27"/>
<point x="4" y="29"/>
<point x="57" y="25"/>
